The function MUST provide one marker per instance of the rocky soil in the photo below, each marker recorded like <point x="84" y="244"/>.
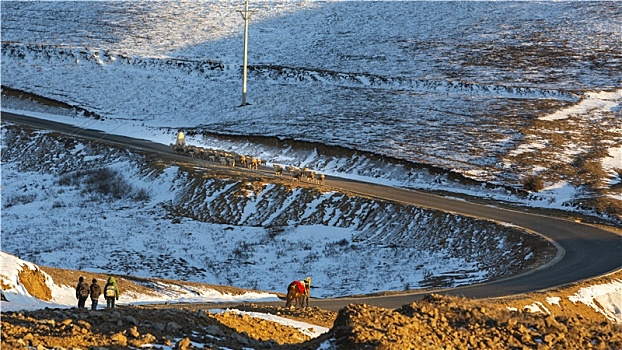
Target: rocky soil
<point x="136" y="327"/>
<point x="435" y="322"/>
<point x="448" y="323"/>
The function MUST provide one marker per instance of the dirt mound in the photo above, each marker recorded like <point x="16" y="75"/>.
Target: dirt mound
<point x="464" y="324"/>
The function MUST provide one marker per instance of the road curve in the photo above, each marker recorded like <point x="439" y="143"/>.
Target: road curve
<point x="584" y="251"/>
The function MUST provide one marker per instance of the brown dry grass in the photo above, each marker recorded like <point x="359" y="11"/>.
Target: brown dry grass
<point x="571" y="151"/>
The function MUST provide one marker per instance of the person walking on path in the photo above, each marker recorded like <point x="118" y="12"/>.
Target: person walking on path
<point x="96" y="291"/>
<point x="111" y="292"/>
<point x="82" y="292"/>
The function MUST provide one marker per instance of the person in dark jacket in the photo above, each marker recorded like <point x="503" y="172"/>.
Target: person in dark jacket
<point x="111" y="292"/>
<point x="96" y="291"/>
<point x="82" y="292"/>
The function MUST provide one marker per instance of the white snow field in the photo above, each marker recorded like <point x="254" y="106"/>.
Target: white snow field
<point x="471" y="88"/>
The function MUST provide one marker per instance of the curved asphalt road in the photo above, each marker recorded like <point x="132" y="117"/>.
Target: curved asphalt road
<point x="584" y="251"/>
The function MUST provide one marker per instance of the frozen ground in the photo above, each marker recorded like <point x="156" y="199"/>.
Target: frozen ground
<point x="495" y="91"/>
<point x="108" y="210"/>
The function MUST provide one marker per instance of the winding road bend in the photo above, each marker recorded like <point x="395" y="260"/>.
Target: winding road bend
<point x="584" y="251"/>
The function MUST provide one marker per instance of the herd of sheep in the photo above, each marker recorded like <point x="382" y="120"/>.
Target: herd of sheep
<point x="233" y="159"/>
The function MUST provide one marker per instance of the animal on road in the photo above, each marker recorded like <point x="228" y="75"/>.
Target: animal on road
<point x="298" y="293"/>
<point x="278" y="169"/>
<point x="232" y="159"/>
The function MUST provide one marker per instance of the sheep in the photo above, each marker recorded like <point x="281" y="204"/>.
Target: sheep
<point x="210" y="155"/>
<point x="255" y="162"/>
<point x="296" y="174"/>
<point x="278" y="169"/>
<point x="193" y="151"/>
<point x="204" y="153"/>
<point x="303" y="172"/>
<point x="184" y="150"/>
<point x="226" y="158"/>
<point x="179" y="149"/>
<point x="309" y="174"/>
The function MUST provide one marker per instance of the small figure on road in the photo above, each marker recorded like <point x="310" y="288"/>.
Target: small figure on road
<point x="82" y="292"/>
<point x="111" y="292"/>
<point x="96" y="291"/>
<point x="181" y="140"/>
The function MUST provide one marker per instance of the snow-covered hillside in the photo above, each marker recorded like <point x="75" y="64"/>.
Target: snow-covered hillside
<point x="495" y="91"/>
<point x="405" y="93"/>
<point x="153" y="220"/>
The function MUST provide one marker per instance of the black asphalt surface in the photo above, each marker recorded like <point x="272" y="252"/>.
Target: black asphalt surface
<point x="584" y="251"/>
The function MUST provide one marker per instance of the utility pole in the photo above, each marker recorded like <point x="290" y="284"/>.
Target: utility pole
<point x="246" y="15"/>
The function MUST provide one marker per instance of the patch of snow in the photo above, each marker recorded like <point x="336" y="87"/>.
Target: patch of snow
<point x="604" y="298"/>
<point x="553" y="300"/>
<point x="604" y="100"/>
<point x="613" y="165"/>
<point x="537" y="307"/>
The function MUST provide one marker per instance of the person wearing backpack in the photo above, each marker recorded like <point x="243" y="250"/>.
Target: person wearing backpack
<point x="82" y="292"/>
<point x="96" y="291"/>
<point x="111" y="292"/>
